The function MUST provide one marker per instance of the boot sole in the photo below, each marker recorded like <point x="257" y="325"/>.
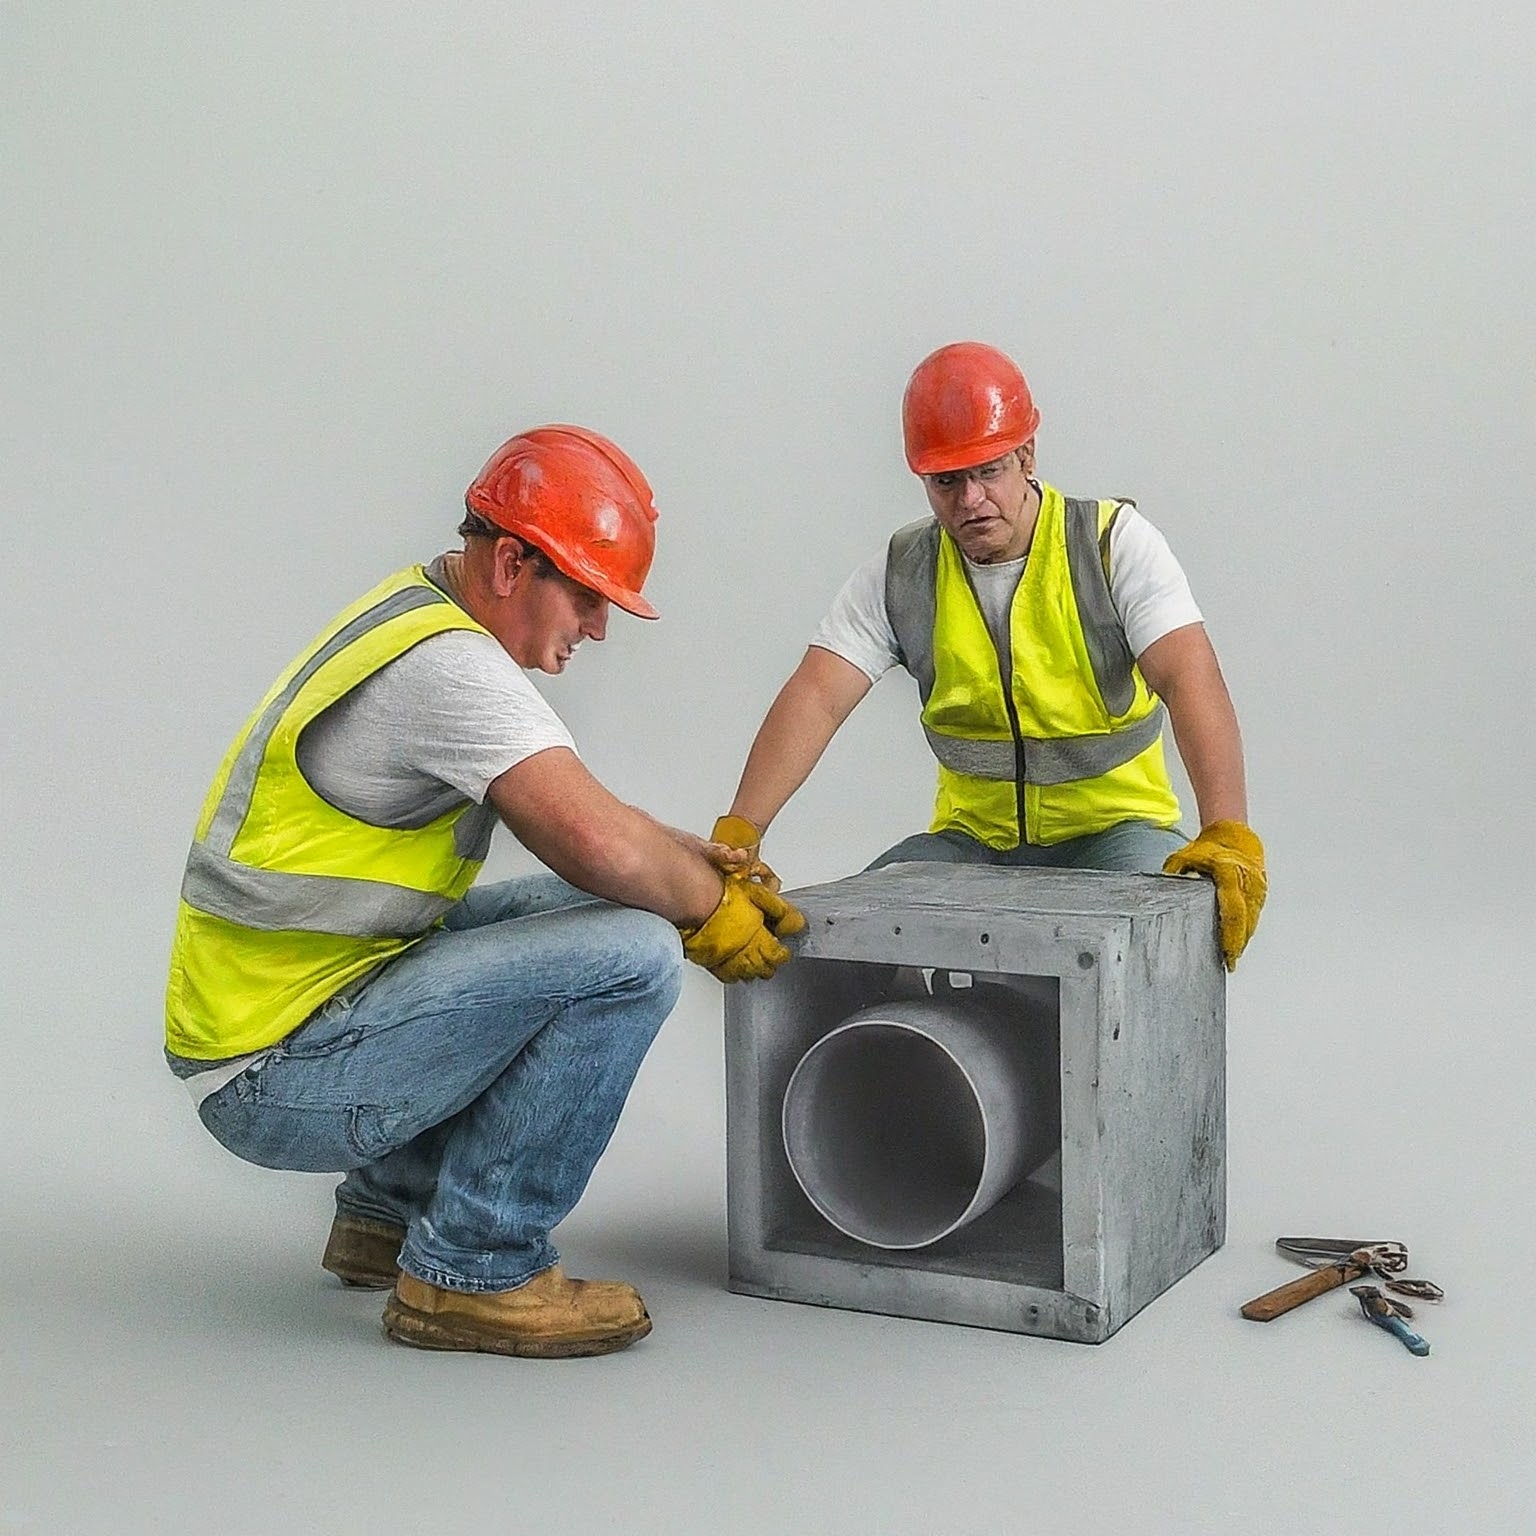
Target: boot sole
<point x="423" y="1331"/>
<point x="363" y="1280"/>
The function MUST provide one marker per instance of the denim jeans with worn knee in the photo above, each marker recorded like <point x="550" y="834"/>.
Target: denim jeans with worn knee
<point x="1132" y="847"/>
<point x="470" y="1086"/>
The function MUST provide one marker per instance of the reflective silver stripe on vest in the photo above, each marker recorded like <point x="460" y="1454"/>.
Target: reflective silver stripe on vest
<point x="472" y="832"/>
<point x="274" y="900"/>
<point x="1049" y="759"/>
<point x="235" y="803"/>
<point x="911" y="572"/>
<point x="1109" y="653"/>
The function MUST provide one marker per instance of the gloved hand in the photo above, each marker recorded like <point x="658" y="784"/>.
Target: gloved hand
<point x="1231" y="854"/>
<point x="738" y="832"/>
<point x="783" y="917"/>
<point x="734" y="942"/>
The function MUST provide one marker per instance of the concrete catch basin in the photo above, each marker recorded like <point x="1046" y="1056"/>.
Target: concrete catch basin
<point x="982" y="1096"/>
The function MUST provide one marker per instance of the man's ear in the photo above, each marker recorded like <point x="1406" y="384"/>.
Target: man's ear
<point x="506" y="562"/>
<point x="1027" y="457"/>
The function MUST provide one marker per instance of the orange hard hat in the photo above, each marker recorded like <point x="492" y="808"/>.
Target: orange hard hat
<point x="965" y="404"/>
<point x="581" y="500"/>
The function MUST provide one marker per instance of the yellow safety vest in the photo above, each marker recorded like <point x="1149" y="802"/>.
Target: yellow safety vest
<point x="1074" y="746"/>
<point x="287" y="899"/>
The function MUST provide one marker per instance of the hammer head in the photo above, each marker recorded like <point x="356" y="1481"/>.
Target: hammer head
<point x="1384" y="1258"/>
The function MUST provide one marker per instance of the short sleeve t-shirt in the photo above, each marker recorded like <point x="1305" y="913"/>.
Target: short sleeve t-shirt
<point x="428" y="731"/>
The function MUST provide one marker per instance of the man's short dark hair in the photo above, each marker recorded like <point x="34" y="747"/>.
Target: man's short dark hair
<point x="476" y="527"/>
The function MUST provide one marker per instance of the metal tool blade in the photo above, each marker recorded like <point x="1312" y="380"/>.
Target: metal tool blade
<point x="1386" y="1257"/>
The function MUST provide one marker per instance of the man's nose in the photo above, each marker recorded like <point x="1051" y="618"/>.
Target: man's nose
<point x="596" y="627"/>
<point x="971" y="492"/>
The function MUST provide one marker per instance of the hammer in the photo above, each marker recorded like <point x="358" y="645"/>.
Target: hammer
<point x="1378" y="1258"/>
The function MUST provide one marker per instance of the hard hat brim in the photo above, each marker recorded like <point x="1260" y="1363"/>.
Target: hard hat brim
<point x="589" y="576"/>
<point x="941" y="461"/>
<point x="632" y="602"/>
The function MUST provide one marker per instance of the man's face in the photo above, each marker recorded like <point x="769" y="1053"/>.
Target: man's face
<point x="551" y="615"/>
<point x="988" y="509"/>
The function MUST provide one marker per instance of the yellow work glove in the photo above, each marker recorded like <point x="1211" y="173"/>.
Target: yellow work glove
<point x="1231" y="854"/>
<point x="733" y="943"/>
<point x="783" y="917"/>
<point x="738" y="832"/>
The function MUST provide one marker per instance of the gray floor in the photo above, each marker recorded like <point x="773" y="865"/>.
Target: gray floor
<point x="173" y="1360"/>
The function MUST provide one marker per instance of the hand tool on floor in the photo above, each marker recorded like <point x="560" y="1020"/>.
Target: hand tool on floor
<point x="1329" y="1250"/>
<point x="1335" y="1261"/>
<point x="1389" y="1314"/>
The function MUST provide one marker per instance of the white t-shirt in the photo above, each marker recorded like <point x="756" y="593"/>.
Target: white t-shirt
<point x="1147" y="585"/>
<point x="429" y="730"/>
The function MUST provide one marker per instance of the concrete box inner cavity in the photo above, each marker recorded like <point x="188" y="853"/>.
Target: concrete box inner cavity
<point x="1020" y="1237"/>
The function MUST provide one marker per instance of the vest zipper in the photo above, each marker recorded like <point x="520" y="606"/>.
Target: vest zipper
<point x="1018" y="766"/>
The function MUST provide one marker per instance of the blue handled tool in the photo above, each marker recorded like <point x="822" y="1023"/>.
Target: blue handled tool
<point x="1391" y="1315"/>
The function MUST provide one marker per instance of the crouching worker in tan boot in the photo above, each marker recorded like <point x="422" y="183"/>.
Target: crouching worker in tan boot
<point x="342" y="997"/>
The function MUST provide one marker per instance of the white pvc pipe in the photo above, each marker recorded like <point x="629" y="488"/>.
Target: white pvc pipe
<point x="912" y="1118"/>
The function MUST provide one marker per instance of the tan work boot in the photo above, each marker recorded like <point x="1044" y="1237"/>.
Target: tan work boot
<point x="552" y="1317"/>
<point x="363" y="1252"/>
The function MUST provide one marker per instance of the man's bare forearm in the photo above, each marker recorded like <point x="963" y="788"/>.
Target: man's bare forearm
<point x="1183" y="670"/>
<point x="569" y="821"/>
<point x="795" y="732"/>
<point x="1212" y="751"/>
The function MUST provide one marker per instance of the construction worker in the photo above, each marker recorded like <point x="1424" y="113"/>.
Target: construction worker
<point x="1047" y="636"/>
<point x="342" y="998"/>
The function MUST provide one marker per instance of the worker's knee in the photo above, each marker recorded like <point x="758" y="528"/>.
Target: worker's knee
<point x="946" y="847"/>
<point x="646" y="957"/>
<point x="1132" y="847"/>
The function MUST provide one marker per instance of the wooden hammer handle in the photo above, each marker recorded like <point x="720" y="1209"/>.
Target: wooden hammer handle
<point x="1269" y="1306"/>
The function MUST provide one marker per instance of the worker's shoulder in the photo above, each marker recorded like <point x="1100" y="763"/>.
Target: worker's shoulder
<point x="448" y="646"/>
<point x="1116" y="503"/>
<point x="912" y="539"/>
<point x="458" y="660"/>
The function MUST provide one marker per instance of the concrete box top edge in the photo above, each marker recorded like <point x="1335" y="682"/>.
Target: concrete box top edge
<point x="1052" y="892"/>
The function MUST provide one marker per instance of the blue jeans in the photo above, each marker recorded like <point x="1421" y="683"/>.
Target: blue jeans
<point x="1132" y="847"/>
<point x="470" y="1086"/>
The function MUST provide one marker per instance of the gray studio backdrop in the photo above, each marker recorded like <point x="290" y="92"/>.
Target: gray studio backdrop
<point x="275" y="279"/>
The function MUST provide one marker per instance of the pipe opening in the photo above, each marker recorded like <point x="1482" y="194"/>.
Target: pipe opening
<point x="912" y="1118"/>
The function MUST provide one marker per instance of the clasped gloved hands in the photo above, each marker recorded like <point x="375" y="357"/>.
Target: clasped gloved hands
<point x="1229" y="853"/>
<point x="739" y="941"/>
<point x="739" y="833"/>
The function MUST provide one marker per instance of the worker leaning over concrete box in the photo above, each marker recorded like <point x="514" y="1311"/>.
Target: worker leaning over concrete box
<point x="1047" y="635"/>
<point x="342" y="997"/>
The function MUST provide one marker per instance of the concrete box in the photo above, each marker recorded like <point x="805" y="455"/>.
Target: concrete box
<point x="1127" y="970"/>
